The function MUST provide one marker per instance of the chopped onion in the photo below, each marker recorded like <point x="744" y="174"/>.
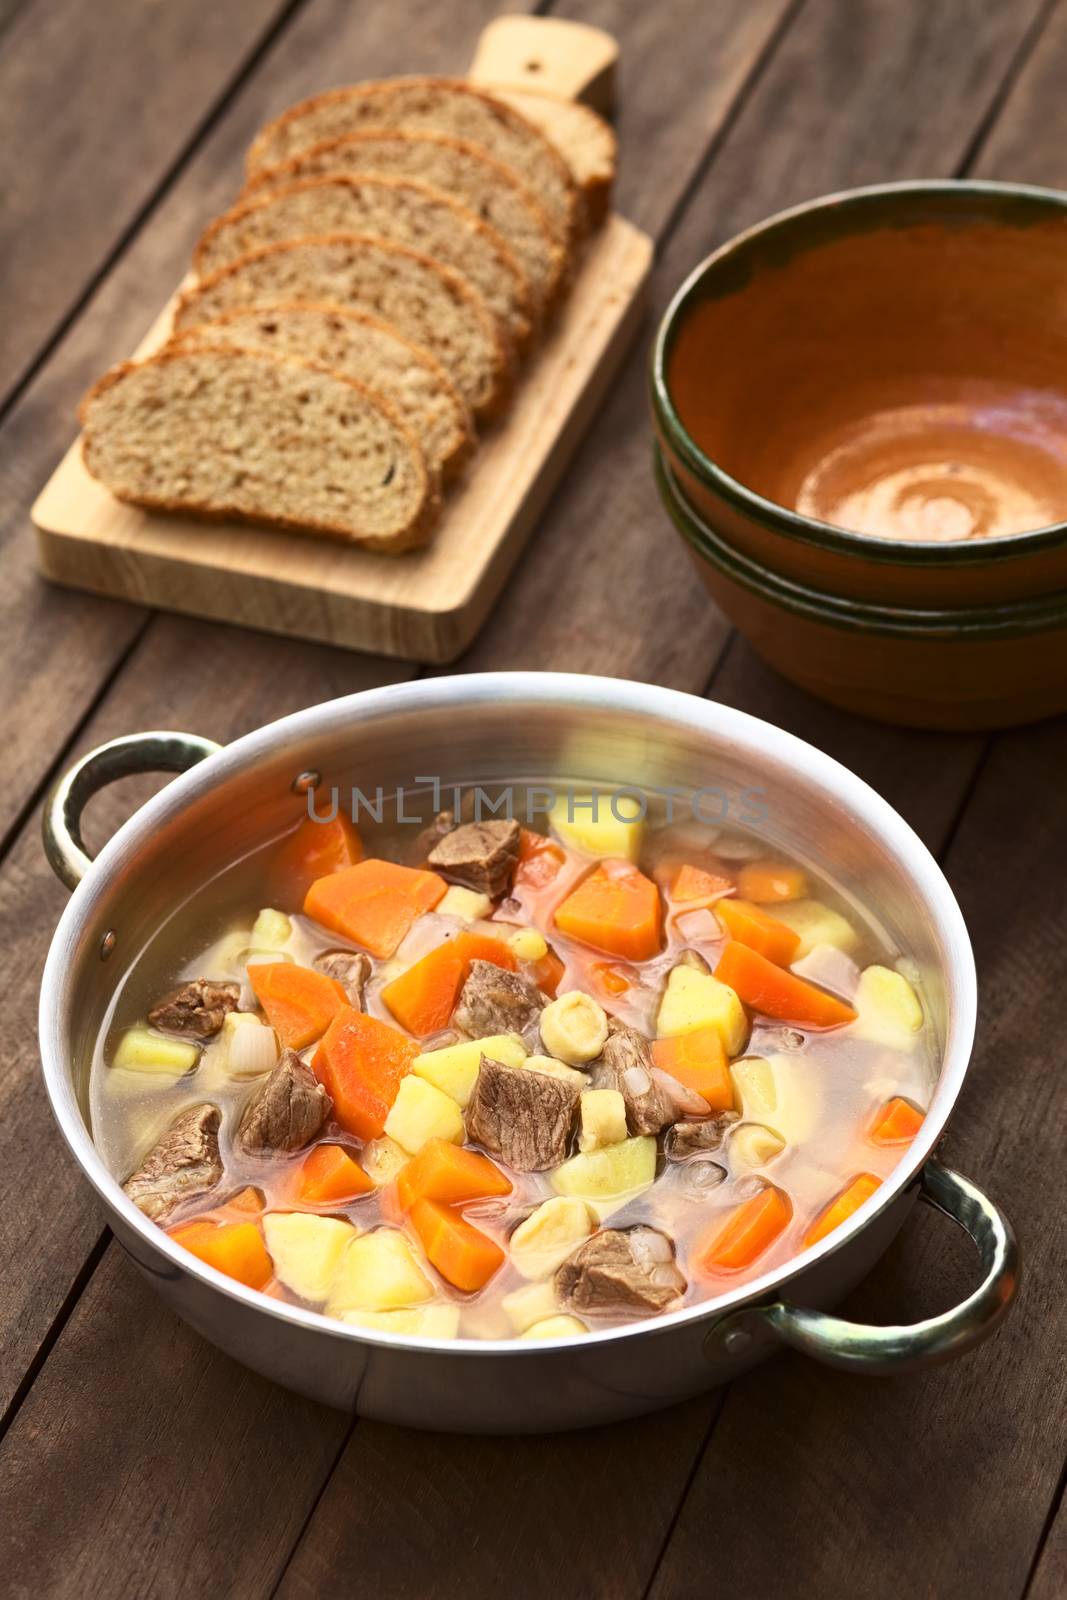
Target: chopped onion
<point x="253" y="1048"/>
<point x="683" y="1099"/>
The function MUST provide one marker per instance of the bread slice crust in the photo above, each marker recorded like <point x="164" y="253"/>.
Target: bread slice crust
<point x="446" y="434"/>
<point x="423" y="103"/>
<point x="405" y="209"/>
<point x="415" y="533"/>
<point x="338" y="267"/>
<point x="465" y="171"/>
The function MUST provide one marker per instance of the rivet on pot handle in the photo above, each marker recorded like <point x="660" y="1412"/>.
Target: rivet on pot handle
<point x="120" y="758"/>
<point x="872" y="1350"/>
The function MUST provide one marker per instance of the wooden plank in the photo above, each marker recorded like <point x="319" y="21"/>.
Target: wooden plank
<point x="57" y="649"/>
<point x="111" y="1488"/>
<point x="428" y="604"/>
<point x="981" y="1430"/>
<point x="977" y="1430"/>
<point x="186" y="663"/>
<point x="220" y="687"/>
<point x="92" y="118"/>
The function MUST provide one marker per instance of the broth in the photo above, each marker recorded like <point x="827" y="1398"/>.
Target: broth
<point x="814" y="1090"/>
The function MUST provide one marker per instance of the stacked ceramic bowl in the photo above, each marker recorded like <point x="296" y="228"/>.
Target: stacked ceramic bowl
<point x="861" y="420"/>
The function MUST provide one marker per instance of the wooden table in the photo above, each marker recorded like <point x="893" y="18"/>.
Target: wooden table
<point x="136" y="1460"/>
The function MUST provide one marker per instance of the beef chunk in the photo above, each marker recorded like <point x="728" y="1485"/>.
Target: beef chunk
<point x="621" y="1270"/>
<point x="184" y="1164"/>
<point x="697" y="1138"/>
<point x="494" y="1000"/>
<point x="349" y="968"/>
<point x="523" y="1118"/>
<point x="479" y="855"/>
<point x="287" y="1111"/>
<point x="197" y="1008"/>
<point x="625" y="1064"/>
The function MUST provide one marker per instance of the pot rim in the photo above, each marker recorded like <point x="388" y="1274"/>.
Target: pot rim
<point x="963" y="624"/>
<point x="792" y="524"/>
<point x="425" y="697"/>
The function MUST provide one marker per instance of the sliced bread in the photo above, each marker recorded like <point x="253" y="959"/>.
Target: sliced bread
<point x="241" y="434"/>
<point x="425" y="302"/>
<point x="401" y="209"/>
<point x="585" y="141"/>
<point x="432" y="105"/>
<point x="461" y="169"/>
<point x="362" y="347"/>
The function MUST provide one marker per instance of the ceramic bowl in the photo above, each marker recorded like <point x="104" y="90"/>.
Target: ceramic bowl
<point x="950" y="668"/>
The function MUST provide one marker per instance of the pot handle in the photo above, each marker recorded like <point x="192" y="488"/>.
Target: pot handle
<point x="119" y="758"/>
<point x="870" y="1350"/>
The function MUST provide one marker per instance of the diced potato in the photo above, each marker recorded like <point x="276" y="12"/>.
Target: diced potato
<point x="694" y="1000"/>
<point x="378" y="1272"/>
<point x="532" y="1303"/>
<point x="815" y="924"/>
<point x="587" y="823"/>
<point x="783" y="1092"/>
<point x="573" y="1027"/>
<point x="467" y="904"/>
<point x="753" y="1145"/>
<point x="454" y="1069"/>
<point x="603" y="1113"/>
<point x="549" y="1234"/>
<point x="271" y="930"/>
<point x="619" y="1169"/>
<point x="382" y="1160"/>
<point x="306" y="1249"/>
<point x="554" y="1069"/>
<point x="526" y="944"/>
<point x="754" y="1086"/>
<point x="421" y="1112"/>
<point x="423" y="1322"/>
<point x="141" y="1050"/>
<point x="561" y="1327"/>
<point x="890" y="1011"/>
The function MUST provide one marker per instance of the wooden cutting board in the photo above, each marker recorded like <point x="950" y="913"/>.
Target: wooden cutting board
<point x="427" y="605"/>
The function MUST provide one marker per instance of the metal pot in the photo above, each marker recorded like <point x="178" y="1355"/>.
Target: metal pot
<point x="506" y="727"/>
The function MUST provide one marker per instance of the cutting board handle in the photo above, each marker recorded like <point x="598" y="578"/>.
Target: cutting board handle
<point x="568" y="59"/>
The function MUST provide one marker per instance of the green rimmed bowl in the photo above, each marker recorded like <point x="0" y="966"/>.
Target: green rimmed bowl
<point x="965" y="667"/>
<point x="893" y="358"/>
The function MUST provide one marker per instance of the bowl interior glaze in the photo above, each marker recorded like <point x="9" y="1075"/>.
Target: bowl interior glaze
<point x="890" y="361"/>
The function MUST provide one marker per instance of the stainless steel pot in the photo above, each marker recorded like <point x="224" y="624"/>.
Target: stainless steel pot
<point x="505" y="727"/>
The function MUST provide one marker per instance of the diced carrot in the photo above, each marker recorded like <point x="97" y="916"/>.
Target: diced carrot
<point x="300" y="1003"/>
<point x="749" y="1230"/>
<point x="609" y="978"/>
<point x="330" y="1176"/>
<point x="897" y="1122"/>
<point x="373" y="903"/>
<point x="548" y="972"/>
<point x="775" y="993"/>
<point x="424" y="997"/>
<point x="247" y="1202"/>
<point x="698" y="1061"/>
<point x="316" y="848"/>
<point x="235" y="1248"/>
<point x="361" y="1062"/>
<point x="462" y="1255"/>
<point x="767" y="881"/>
<point x="841" y="1208"/>
<point x="450" y="1174"/>
<point x="746" y="923"/>
<point x="695" y="884"/>
<point x="539" y="860"/>
<point x="616" y="909"/>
